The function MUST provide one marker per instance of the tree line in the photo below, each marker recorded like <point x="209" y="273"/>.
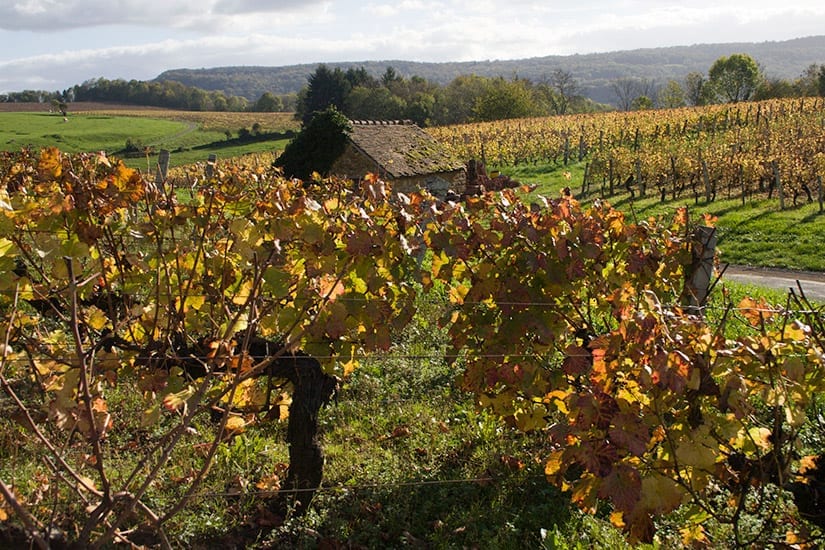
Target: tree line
<point x="358" y="94"/>
<point x="467" y="98"/>
<point x="167" y="94"/>
<point x="730" y="79"/>
<point x="473" y="98"/>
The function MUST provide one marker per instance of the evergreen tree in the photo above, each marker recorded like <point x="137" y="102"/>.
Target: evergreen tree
<point x="317" y="145"/>
<point x="324" y="88"/>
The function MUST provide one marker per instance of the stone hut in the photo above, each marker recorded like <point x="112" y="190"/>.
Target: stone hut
<point x="402" y="153"/>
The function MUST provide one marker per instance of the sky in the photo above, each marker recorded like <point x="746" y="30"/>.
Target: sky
<point x="54" y="44"/>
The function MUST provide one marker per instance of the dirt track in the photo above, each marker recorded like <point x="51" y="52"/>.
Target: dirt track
<point x="812" y="283"/>
<point x="79" y="106"/>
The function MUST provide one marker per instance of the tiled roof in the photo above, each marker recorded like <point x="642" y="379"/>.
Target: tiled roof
<point x="401" y="148"/>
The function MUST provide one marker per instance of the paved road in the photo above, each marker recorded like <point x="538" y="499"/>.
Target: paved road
<point x="813" y="283"/>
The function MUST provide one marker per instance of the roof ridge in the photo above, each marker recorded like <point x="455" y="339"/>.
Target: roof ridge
<point x="383" y="122"/>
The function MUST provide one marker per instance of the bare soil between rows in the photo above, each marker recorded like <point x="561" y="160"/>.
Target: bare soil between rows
<point x="80" y="106"/>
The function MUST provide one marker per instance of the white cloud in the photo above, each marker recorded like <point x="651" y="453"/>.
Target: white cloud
<point x="53" y="15"/>
<point x="405" y="8"/>
<point x="69" y="41"/>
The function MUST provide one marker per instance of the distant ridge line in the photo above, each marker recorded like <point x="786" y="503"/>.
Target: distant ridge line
<point x="594" y="71"/>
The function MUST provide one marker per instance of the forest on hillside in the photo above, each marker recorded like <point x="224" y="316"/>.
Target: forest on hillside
<point x="595" y="72"/>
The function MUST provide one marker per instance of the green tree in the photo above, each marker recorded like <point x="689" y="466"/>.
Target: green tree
<point x="269" y="103"/>
<point x="672" y="96"/>
<point x="505" y="99"/>
<point x="820" y="81"/>
<point x="812" y="81"/>
<point x="734" y="78"/>
<point x="360" y="77"/>
<point x="806" y="84"/>
<point x="324" y="88"/>
<point x="58" y="105"/>
<point x="642" y="103"/>
<point x="316" y="146"/>
<point x="420" y="108"/>
<point x="219" y="103"/>
<point x="374" y="104"/>
<point x="455" y="102"/>
<point x="771" y="88"/>
<point x="391" y="76"/>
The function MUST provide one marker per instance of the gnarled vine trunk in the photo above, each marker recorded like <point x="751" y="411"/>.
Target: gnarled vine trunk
<point x="313" y="388"/>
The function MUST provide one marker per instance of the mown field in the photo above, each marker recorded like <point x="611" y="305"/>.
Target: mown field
<point x="190" y="136"/>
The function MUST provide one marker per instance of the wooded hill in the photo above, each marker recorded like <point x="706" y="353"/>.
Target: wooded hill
<point x="594" y="72"/>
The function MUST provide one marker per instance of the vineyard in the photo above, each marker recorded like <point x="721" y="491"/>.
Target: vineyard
<point x="773" y="148"/>
<point x="149" y="324"/>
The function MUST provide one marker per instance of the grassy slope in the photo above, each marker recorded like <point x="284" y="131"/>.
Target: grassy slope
<point x="757" y="233"/>
<point x="79" y="133"/>
<point x="191" y="136"/>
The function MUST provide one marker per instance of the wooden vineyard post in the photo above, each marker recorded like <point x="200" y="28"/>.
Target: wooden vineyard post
<point x="587" y="174"/>
<point x="741" y="176"/>
<point x="819" y="192"/>
<point x="163" y="167"/>
<point x="673" y="177"/>
<point x="699" y="273"/>
<point x="610" y="174"/>
<point x="209" y="170"/>
<point x="638" y="166"/>
<point x="778" y="182"/>
<point x="706" y="178"/>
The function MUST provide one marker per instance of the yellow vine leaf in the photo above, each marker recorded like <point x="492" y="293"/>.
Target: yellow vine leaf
<point x="617" y="520"/>
<point x="754" y="311"/>
<point x="235" y="424"/>
<point x="50" y="162"/>
<point x="585" y="492"/>
<point x="660" y="494"/>
<point x="553" y="464"/>
<point x="692" y="535"/>
<point x="761" y="437"/>
<point x="531" y="418"/>
<point x="5" y="246"/>
<point x="96" y="318"/>
<point x="557" y="398"/>
<point x="458" y="293"/>
<point x="697" y="451"/>
<point x="797" y="331"/>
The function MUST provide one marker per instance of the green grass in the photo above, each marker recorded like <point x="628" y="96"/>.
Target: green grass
<point x="223" y="150"/>
<point x="189" y="141"/>
<point x="756" y="233"/>
<point x="87" y="132"/>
